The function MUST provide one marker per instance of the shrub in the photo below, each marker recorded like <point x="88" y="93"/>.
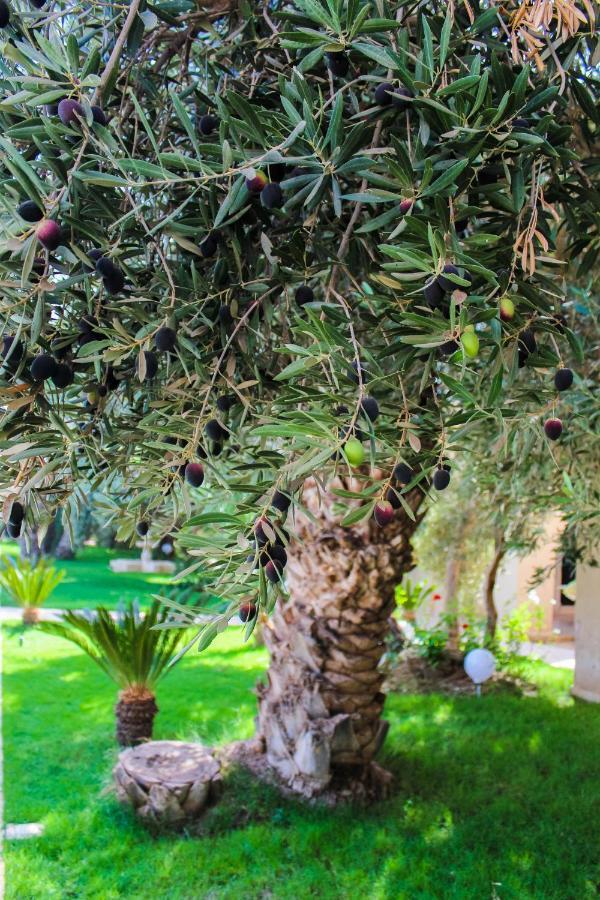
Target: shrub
<point x="29" y="585"/>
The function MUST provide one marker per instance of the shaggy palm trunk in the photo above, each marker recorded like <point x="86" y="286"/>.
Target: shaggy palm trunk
<point x="320" y="712"/>
<point x="30" y="615"/>
<point x="135" y="712"/>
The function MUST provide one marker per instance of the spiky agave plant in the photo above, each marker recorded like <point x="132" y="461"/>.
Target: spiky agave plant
<point x="133" y="653"/>
<point x="29" y="585"/>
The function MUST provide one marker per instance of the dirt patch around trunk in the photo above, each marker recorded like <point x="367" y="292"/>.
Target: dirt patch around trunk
<point x="411" y="673"/>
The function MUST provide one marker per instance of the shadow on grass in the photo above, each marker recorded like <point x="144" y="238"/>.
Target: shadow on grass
<point x="16" y="630"/>
<point x="203" y="699"/>
<point x="493" y="798"/>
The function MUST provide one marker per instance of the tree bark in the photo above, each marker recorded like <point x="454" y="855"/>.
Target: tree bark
<point x="135" y="712"/>
<point x="64" y="548"/>
<point x="490" y="583"/>
<point x="320" y="712"/>
<point x="453" y="567"/>
<point x="454" y="570"/>
<point x="32" y="547"/>
<point x="30" y="615"/>
<point x="168" y="783"/>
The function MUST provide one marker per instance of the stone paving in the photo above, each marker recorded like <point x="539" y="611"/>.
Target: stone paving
<point x="560" y="655"/>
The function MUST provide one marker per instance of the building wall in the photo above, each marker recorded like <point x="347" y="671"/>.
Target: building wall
<point x="506" y="593"/>
<point x="587" y="633"/>
<point x="513" y="586"/>
<point x="545" y="595"/>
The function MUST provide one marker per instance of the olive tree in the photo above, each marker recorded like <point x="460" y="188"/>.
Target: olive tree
<point x="265" y="270"/>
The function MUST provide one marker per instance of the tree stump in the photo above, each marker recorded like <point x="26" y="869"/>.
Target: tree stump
<point x="168" y="783"/>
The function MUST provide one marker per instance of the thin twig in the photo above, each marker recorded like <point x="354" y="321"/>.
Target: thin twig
<point x="115" y="56"/>
<point x="345" y="242"/>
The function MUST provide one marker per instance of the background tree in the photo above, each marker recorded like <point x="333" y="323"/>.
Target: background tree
<point x="466" y="535"/>
<point x="247" y="249"/>
<point x="500" y="501"/>
<point x="450" y="547"/>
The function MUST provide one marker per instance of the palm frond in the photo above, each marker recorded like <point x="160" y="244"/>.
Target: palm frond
<point x="29" y="585"/>
<point x="128" y="648"/>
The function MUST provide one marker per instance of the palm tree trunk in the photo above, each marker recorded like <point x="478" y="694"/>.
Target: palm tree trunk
<point x="490" y="584"/>
<point x="30" y="615"/>
<point x="320" y="712"/>
<point x="135" y="712"/>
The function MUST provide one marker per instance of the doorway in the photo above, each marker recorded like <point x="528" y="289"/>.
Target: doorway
<point x="564" y="610"/>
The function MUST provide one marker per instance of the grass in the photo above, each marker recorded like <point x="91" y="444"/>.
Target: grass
<point x="494" y="798"/>
<point x="89" y="580"/>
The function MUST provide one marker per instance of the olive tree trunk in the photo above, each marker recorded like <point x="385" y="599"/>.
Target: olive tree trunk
<point x="455" y="564"/>
<point x="320" y="711"/>
<point x="451" y="584"/>
<point x="491" y="575"/>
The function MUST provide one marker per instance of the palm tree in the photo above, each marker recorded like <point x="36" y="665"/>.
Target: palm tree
<point x="320" y="711"/>
<point x="133" y="652"/>
<point x="29" y="585"/>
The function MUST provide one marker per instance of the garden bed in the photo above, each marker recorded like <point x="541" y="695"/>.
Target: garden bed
<point x="410" y="672"/>
<point x="491" y="797"/>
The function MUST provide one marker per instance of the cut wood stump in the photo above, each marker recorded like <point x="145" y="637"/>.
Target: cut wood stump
<point x="168" y="783"/>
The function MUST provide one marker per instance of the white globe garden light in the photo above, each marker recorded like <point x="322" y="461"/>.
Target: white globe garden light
<point x="479" y="666"/>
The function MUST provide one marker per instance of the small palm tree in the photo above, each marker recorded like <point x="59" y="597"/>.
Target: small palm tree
<point x="132" y="652"/>
<point x="29" y="586"/>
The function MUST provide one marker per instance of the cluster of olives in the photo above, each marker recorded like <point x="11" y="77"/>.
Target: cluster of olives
<point x="44" y="367"/>
<point x="402" y="476"/>
<point x="563" y="379"/>
<point x="435" y="291"/>
<point x="53" y="366"/>
<point x="48" y="231"/>
<point x="354" y="454"/>
<point x="271" y="195"/>
<point x="385" y="509"/>
<point x="270" y="539"/>
<point x="72" y="112"/>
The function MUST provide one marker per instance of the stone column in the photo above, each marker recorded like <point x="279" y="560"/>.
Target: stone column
<point x="587" y="632"/>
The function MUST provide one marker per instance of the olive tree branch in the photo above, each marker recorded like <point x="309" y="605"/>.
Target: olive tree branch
<point x="116" y="52"/>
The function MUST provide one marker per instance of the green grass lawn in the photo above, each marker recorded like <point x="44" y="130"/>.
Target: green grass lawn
<point x="89" y="580"/>
<point x="495" y="798"/>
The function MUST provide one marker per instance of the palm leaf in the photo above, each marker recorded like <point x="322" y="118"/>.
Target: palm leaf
<point x="29" y="585"/>
<point x="128" y="648"/>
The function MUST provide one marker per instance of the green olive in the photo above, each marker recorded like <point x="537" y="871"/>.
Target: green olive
<point x="354" y="452"/>
<point x="470" y="343"/>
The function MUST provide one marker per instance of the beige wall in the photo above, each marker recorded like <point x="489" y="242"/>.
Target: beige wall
<point x="548" y="591"/>
<point x="506" y="592"/>
<point x="513" y="585"/>
<point x="587" y="633"/>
